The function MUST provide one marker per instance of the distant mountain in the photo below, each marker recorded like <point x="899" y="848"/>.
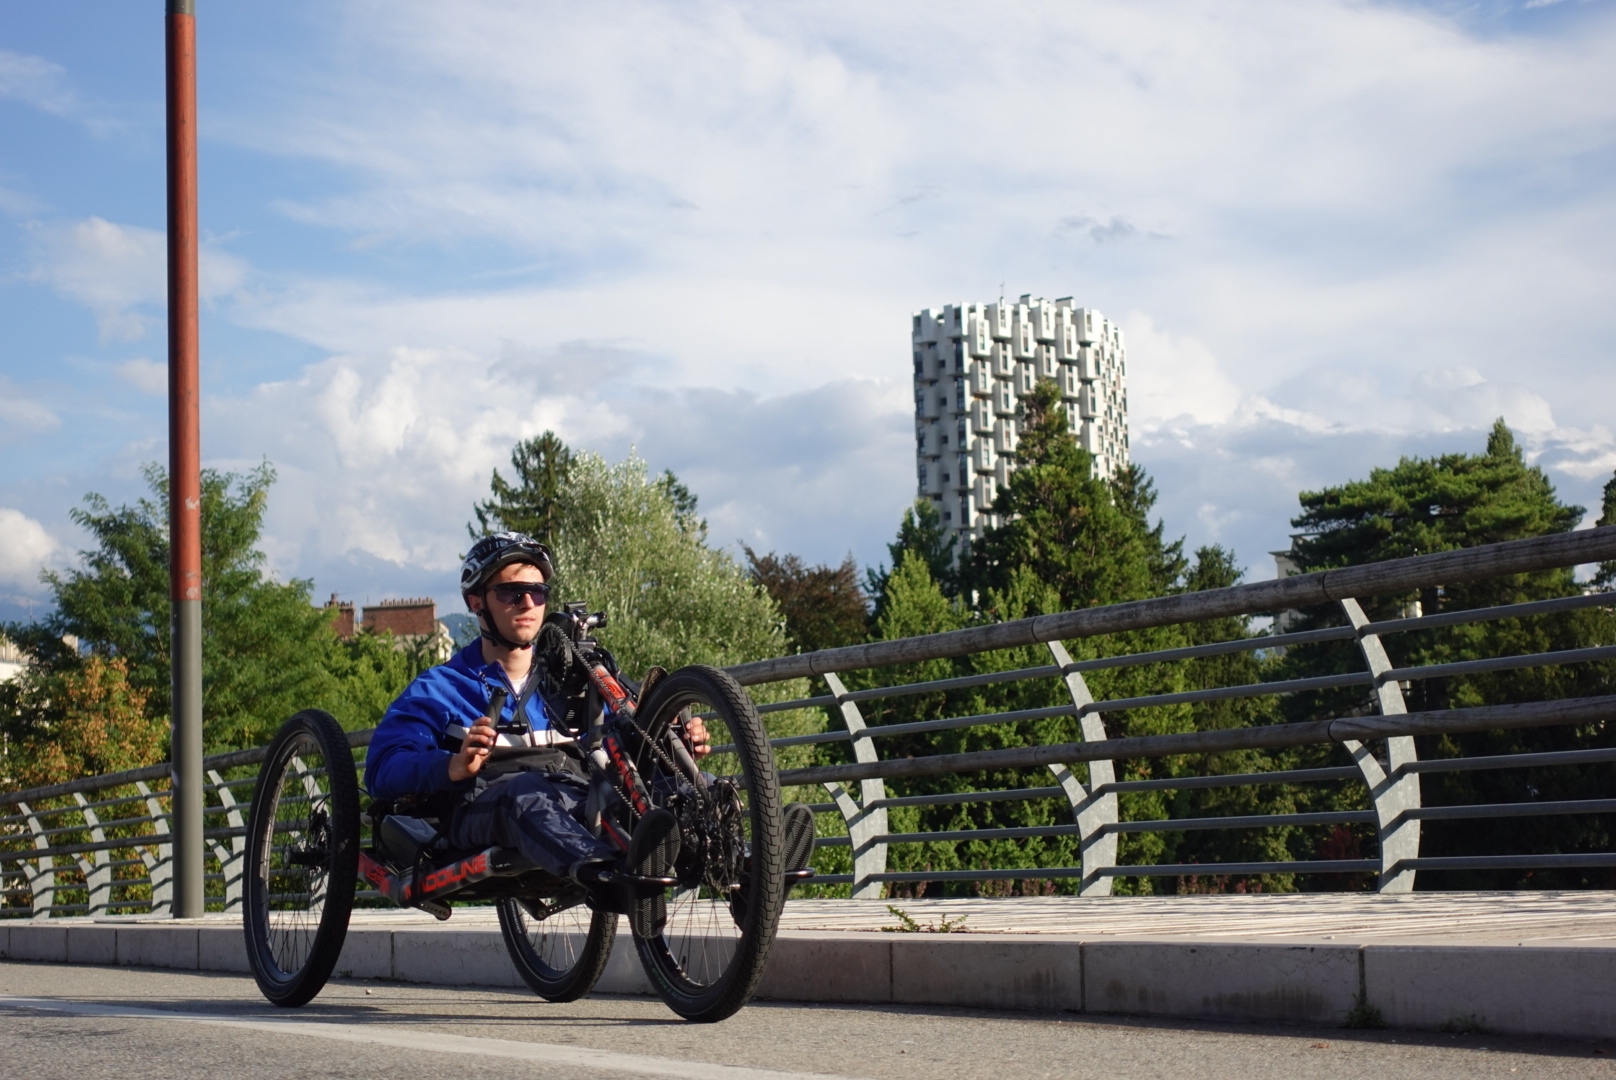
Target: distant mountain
<point x="462" y="627"/>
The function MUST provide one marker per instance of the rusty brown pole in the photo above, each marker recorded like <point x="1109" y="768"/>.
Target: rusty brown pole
<point x="184" y="466"/>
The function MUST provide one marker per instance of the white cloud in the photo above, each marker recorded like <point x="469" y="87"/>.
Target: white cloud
<point x="111" y="269"/>
<point x="118" y="270"/>
<point x="1174" y="376"/>
<point x="146" y="375"/>
<point x="34" y="81"/>
<point x="25" y="547"/>
<point x="1236" y="481"/>
<point x="381" y="457"/>
<point x="1336" y="232"/>
<point x="18" y="204"/>
<point x="20" y="416"/>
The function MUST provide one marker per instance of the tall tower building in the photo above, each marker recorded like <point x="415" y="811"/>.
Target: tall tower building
<point x="973" y="365"/>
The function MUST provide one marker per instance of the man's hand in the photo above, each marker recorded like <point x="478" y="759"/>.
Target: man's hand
<point x="474" y="750"/>
<point x="700" y="741"/>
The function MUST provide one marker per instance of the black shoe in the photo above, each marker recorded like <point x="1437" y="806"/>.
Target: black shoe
<point x="600" y="878"/>
<point x="652" y="851"/>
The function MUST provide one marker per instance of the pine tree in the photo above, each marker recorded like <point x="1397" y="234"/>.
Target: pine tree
<point x="1606" y="578"/>
<point x="1437" y="504"/>
<point x="542" y="467"/>
<point x="1062" y="523"/>
<point x="921" y="532"/>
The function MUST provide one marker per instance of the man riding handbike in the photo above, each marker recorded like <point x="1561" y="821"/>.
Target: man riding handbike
<point x="528" y="770"/>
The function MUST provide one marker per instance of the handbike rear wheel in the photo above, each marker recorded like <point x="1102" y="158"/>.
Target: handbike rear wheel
<point x="302" y="858"/>
<point x="561" y="956"/>
<point x="708" y="954"/>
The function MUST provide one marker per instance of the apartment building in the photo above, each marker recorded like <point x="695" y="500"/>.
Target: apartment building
<point x="973" y="365"/>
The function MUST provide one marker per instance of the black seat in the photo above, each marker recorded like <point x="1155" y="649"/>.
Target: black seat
<point x="404" y="839"/>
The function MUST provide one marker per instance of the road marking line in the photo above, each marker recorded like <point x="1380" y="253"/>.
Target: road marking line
<point x="436" y="1042"/>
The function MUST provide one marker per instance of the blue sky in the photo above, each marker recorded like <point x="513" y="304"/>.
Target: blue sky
<point x="1335" y="233"/>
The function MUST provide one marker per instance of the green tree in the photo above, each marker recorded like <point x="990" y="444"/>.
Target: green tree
<point x="1066" y="526"/>
<point x="266" y="653"/>
<point x="921" y="532"/>
<point x="634" y="547"/>
<point x="823" y="606"/>
<point x="1067" y="540"/>
<point x="1606" y="577"/>
<point x="102" y="725"/>
<point x="542" y="466"/>
<point x="1443" y="503"/>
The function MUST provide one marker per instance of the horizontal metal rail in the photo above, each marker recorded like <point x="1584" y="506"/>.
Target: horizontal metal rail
<point x="1511" y="761"/>
<point x="1257" y="598"/>
<point x="1514" y="809"/>
<point x="1197" y="652"/>
<point x="1188" y="783"/>
<point x="1275" y="736"/>
<point x="1589" y="861"/>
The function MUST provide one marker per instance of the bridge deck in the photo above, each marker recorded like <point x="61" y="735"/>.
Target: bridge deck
<point x="1582" y="919"/>
<point x="1574" y="919"/>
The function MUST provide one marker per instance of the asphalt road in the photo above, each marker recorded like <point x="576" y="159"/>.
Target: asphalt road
<point x="86" y="1023"/>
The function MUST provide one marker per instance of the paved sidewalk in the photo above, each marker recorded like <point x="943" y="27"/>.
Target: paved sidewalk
<point x="1526" y="963"/>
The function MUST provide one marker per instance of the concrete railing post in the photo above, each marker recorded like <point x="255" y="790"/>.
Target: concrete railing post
<point x="863" y="824"/>
<point x="1393" y="790"/>
<point x="1093" y="814"/>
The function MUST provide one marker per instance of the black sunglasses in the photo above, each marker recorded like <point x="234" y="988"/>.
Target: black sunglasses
<point x="511" y="593"/>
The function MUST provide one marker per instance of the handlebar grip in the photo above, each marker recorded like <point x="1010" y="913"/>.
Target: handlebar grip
<point x="496" y="705"/>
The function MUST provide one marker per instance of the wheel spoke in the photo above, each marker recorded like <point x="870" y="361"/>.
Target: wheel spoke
<point x="302" y="856"/>
<point x="708" y="953"/>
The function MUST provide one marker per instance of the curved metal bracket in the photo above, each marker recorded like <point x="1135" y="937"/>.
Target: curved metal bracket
<point x="41" y="878"/>
<point x="159" y="865"/>
<point x="232" y="854"/>
<point x="1094" y="814"/>
<point x="1393" y="789"/>
<point x="96" y="866"/>
<point x="863" y="825"/>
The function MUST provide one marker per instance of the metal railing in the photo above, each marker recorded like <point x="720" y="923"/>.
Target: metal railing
<point x="103" y="845"/>
<point x="107" y="850"/>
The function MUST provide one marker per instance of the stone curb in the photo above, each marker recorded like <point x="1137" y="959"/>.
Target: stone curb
<point x="1566" y="991"/>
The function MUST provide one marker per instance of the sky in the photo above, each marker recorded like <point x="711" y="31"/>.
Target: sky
<point x="1334" y="234"/>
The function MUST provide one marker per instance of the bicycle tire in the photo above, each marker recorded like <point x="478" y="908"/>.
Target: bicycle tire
<point x="302" y="858"/>
<point x="702" y="961"/>
<point x="562" y="956"/>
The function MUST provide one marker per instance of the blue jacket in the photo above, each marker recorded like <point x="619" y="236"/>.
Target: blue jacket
<point x="409" y="754"/>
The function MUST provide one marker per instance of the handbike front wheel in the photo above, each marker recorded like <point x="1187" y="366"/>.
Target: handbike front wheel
<point x="713" y="931"/>
<point x="562" y="955"/>
<point x="302" y="858"/>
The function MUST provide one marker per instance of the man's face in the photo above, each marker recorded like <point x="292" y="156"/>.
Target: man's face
<point x="520" y="622"/>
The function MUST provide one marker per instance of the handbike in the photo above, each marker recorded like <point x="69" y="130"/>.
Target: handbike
<point x="702" y="927"/>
